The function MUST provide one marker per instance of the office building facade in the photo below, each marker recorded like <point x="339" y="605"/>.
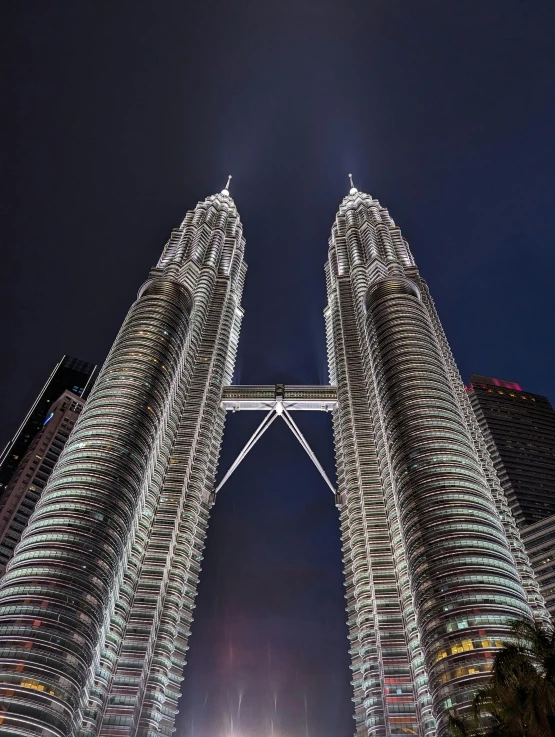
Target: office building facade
<point x="105" y="575"/>
<point x="519" y="428"/>
<point x="96" y="604"/>
<point x="434" y="565"/>
<point x="70" y="373"/>
<point x="539" y="540"/>
<point x="29" y="479"/>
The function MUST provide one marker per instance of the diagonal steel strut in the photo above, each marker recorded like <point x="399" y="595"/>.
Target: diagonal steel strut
<point x="277" y="410"/>
<point x="290" y="422"/>
<point x="258" y="433"/>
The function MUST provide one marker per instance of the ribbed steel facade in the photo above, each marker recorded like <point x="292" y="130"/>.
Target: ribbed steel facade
<point x="434" y="565"/>
<point x="96" y="604"/>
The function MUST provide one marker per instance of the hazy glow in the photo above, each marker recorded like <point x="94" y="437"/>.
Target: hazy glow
<point x="253" y="734"/>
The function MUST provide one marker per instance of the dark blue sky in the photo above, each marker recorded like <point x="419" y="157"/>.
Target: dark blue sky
<point x="119" y="116"/>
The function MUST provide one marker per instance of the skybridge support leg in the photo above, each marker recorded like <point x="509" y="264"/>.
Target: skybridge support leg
<point x="278" y="410"/>
<point x="290" y="422"/>
<point x="258" y="433"/>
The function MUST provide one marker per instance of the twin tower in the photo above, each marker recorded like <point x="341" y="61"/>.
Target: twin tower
<point x="96" y="605"/>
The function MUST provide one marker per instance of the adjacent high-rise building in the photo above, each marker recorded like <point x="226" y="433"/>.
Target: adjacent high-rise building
<point x="539" y="540"/>
<point x="96" y="604"/>
<point x="71" y="374"/>
<point x="519" y="428"/>
<point x="30" y="477"/>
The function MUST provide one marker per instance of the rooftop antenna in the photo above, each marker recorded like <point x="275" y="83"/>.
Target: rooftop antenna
<point x="225" y="190"/>
<point x="353" y="189"/>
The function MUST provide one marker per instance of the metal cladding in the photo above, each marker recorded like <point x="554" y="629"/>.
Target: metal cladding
<point x="96" y="604"/>
<point x="434" y="566"/>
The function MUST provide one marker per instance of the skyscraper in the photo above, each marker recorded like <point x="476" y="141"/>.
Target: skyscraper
<point x="70" y="373"/>
<point x="539" y="540"/>
<point x="519" y="428"/>
<point x="28" y="482"/>
<point x="434" y="564"/>
<point x="96" y="605"/>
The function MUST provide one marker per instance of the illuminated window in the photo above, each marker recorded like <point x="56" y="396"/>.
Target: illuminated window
<point x="460" y="647"/>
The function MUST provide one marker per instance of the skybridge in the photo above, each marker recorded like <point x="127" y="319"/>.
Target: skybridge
<point x="279" y="400"/>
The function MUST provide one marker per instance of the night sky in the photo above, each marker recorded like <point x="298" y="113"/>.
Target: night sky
<point x="119" y="116"/>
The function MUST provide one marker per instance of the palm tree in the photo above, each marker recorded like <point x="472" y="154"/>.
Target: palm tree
<point x="539" y="644"/>
<point x="519" y="700"/>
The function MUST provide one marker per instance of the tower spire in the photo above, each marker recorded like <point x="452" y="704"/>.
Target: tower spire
<point x="225" y="190"/>
<point x="353" y="189"/>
